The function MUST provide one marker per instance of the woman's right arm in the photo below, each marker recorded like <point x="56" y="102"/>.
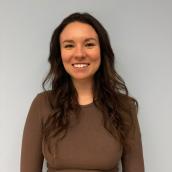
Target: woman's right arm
<point x="31" y="151"/>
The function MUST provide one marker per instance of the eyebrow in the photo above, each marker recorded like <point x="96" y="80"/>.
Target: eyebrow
<point x="71" y="41"/>
<point x="91" y="39"/>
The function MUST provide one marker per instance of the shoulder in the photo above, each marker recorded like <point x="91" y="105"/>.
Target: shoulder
<point x="127" y="100"/>
<point x="44" y="94"/>
<point x="43" y="97"/>
<point x="42" y="103"/>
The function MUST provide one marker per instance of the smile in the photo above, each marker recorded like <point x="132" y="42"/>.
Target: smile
<point x="80" y="65"/>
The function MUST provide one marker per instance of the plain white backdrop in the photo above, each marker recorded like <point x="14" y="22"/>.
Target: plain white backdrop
<point x="141" y="36"/>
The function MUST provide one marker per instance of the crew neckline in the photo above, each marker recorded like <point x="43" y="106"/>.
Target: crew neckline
<point x="86" y="105"/>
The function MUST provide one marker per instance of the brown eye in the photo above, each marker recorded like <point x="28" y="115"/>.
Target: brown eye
<point x="69" y="46"/>
<point x="90" y="45"/>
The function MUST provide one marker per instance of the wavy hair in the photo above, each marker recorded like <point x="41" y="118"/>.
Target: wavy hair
<point x="119" y="108"/>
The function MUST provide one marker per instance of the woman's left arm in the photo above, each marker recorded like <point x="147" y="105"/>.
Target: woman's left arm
<point x="132" y="158"/>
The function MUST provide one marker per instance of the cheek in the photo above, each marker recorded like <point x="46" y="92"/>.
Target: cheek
<point x="96" y="60"/>
<point x="65" y="57"/>
<point x="96" y="57"/>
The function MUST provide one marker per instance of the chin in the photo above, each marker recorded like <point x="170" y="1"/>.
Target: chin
<point x="81" y="78"/>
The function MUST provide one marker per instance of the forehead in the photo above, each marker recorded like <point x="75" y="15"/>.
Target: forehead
<point x="76" y="30"/>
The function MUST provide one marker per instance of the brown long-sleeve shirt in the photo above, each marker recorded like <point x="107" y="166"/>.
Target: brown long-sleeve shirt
<point x="87" y="147"/>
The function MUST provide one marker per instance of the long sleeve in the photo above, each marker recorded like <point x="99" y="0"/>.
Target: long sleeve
<point x="132" y="158"/>
<point x="31" y="152"/>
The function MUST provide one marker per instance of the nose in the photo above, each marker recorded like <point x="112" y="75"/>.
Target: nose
<point x="79" y="52"/>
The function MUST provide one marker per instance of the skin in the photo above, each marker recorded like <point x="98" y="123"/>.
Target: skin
<point x="79" y="43"/>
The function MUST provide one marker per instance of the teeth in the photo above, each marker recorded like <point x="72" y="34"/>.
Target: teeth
<point x="80" y="65"/>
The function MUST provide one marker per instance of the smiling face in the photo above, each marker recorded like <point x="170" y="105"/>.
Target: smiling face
<point x="80" y="51"/>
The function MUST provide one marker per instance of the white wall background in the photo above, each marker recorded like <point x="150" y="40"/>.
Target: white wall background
<point x="141" y="35"/>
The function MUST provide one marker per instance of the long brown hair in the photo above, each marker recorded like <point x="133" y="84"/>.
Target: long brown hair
<point x="110" y="92"/>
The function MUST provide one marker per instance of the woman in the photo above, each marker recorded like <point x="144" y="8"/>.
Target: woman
<point x="87" y="121"/>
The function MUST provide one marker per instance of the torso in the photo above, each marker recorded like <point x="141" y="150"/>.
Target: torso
<point x="88" y="146"/>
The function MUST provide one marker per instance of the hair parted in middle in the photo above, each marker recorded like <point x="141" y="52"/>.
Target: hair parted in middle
<point x="110" y="93"/>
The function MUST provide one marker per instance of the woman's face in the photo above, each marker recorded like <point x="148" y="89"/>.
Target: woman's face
<point x="80" y="51"/>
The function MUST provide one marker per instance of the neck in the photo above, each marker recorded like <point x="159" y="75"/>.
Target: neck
<point x="84" y="90"/>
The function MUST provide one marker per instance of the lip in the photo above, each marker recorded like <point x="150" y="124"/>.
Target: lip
<point x="81" y="63"/>
<point x="81" y="68"/>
